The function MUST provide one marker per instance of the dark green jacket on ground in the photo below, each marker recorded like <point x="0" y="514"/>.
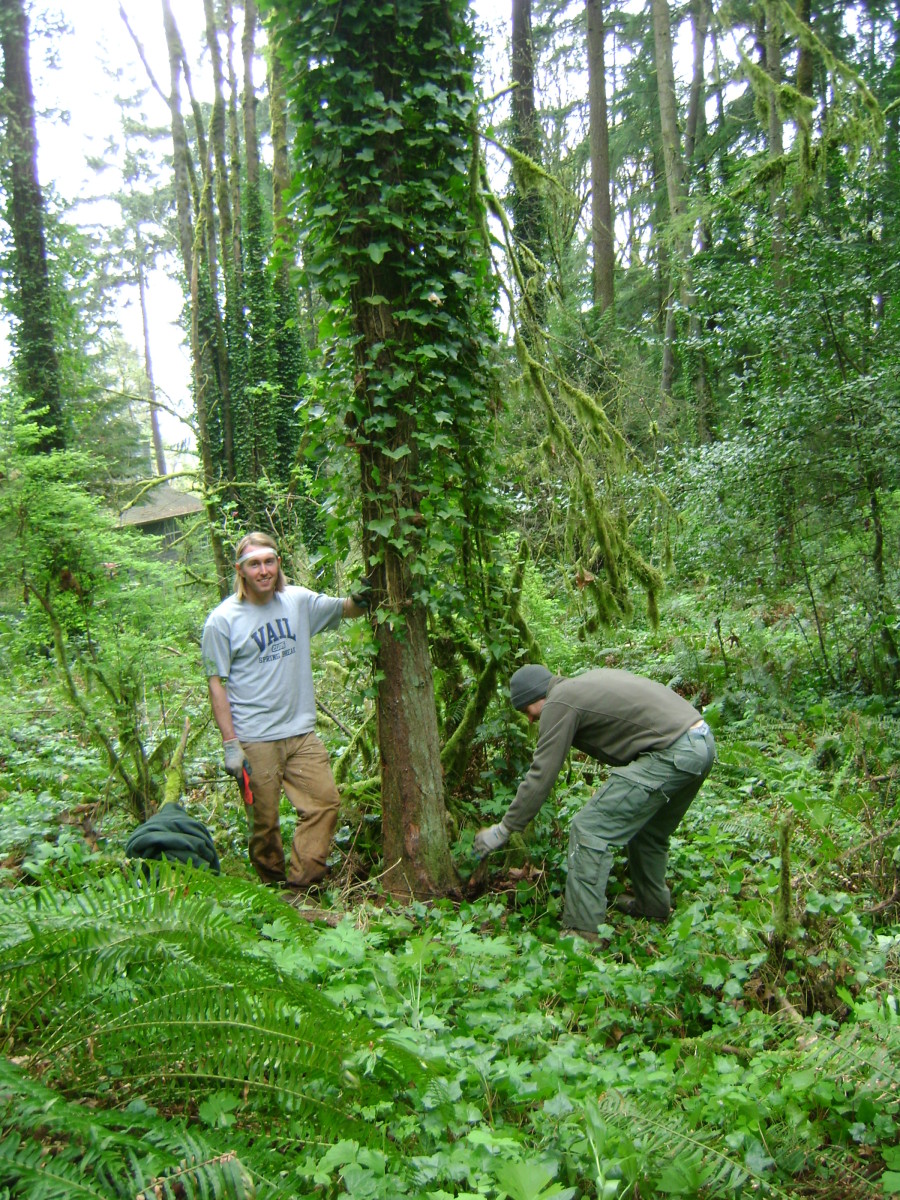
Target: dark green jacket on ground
<point x="172" y="834"/>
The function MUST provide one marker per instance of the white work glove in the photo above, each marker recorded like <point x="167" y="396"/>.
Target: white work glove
<point x="234" y="758"/>
<point x="490" y="839"/>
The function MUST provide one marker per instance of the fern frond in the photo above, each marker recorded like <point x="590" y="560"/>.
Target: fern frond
<point x="161" y="987"/>
<point x="866" y="1057"/>
<point x="665" y="1138"/>
<point x="53" y="1149"/>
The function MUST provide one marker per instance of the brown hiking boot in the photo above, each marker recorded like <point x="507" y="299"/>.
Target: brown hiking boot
<point x="629" y="906"/>
<point x="586" y="936"/>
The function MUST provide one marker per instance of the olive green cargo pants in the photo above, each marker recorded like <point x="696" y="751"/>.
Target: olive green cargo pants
<point x="639" y="807"/>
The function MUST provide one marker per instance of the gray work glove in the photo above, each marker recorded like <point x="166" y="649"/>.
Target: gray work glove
<point x="492" y="838"/>
<point x="234" y="759"/>
<point x="362" y="597"/>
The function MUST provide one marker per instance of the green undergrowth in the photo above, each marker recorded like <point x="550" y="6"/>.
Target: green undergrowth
<point x="180" y="1035"/>
<point x="187" y="1035"/>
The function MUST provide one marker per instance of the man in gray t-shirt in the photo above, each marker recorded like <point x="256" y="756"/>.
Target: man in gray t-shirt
<point x="256" y="654"/>
<point x="660" y="750"/>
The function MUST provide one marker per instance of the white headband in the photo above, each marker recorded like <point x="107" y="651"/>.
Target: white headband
<point x="253" y="551"/>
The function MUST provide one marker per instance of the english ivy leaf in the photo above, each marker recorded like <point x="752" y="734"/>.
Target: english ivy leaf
<point x="377" y="250"/>
<point x="382" y="526"/>
<point x="400" y="452"/>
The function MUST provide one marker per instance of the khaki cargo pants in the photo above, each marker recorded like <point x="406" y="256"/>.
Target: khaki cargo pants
<point x="639" y="807"/>
<point x="299" y="765"/>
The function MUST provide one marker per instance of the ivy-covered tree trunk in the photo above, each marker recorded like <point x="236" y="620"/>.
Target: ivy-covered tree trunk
<point x="385" y="111"/>
<point x="36" y="358"/>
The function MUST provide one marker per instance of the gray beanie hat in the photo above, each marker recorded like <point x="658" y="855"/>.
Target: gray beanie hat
<point x="529" y="683"/>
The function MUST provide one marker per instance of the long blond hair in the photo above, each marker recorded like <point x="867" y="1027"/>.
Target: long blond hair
<point x="264" y="541"/>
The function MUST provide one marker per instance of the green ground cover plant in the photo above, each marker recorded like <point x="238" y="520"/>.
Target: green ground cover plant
<point x="179" y="1034"/>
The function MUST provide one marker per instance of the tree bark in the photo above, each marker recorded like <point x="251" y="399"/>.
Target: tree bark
<point x="668" y="111"/>
<point x="180" y="151"/>
<point x="202" y="380"/>
<point x="234" y="149"/>
<point x="673" y="166"/>
<point x="36" y="359"/>
<point x="700" y="13"/>
<point x="700" y="25"/>
<point x="194" y="243"/>
<point x="159" y="455"/>
<point x="288" y="338"/>
<point x="217" y="138"/>
<point x="675" y="162"/>
<point x="601" y="180"/>
<point x="527" y="206"/>
<point x="416" y="849"/>
<point x="776" y="135"/>
<point x="251" y="140"/>
<point x="416" y="854"/>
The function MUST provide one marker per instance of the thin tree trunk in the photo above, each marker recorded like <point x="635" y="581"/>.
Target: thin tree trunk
<point x="805" y="64"/>
<point x="700" y="13"/>
<point x="891" y="664"/>
<point x="202" y="379"/>
<point x="194" y="244"/>
<point x="527" y="206"/>
<point x="673" y="166"/>
<point x="251" y="140"/>
<point x="285" y="235"/>
<point x="700" y="25"/>
<point x="601" y="180"/>
<point x="676" y="189"/>
<point x="668" y="110"/>
<point x="181" y="156"/>
<point x="36" y="358"/>
<point x="234" y="147"/>
<point x="289" y="349"/>
<point x="261" y="407"/>
<point x="776" y="135"/>
<point x="226" y="230"/>
<point x="158" y="452"/>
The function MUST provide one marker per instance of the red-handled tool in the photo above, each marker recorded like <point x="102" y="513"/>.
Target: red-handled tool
<point x="248" y="795"/>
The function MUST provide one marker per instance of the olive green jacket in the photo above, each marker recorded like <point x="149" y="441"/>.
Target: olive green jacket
<point x="613" y="716"/>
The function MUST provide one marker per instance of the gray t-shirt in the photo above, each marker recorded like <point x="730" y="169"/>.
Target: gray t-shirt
<point x="262" y="654"/>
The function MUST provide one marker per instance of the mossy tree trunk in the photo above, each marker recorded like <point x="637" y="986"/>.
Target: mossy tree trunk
<point x="36" y="359"/>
